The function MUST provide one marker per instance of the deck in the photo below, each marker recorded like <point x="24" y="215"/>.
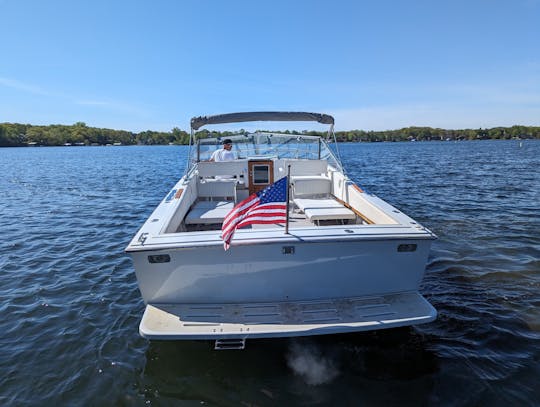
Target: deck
<point x="209" y="215"/>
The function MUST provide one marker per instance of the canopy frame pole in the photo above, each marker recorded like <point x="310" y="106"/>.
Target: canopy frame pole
<point x="287" y="199"/>
<point x="188" y="163"/>
<point x="338" y="155"/>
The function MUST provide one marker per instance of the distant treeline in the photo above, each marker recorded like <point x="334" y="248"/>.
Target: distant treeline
<point x="15" y="135"/>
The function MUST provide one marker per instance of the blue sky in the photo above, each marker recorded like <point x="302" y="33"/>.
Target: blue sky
<point x="374" y="65"/>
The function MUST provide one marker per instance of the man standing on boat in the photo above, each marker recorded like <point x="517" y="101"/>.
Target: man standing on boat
<point x="225" y="153"/>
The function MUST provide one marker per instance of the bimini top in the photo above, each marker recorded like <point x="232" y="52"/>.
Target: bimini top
<point x="198" y="122"/>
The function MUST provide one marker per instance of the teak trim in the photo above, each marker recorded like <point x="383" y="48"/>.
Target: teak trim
<point x="363" y="217"/>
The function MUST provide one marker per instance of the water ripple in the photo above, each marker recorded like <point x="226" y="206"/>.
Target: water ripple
<point x="71" y="305"/>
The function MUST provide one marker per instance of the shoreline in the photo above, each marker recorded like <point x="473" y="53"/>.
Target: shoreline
<point x="339" y="142"/>
<point x="79" y="134"/>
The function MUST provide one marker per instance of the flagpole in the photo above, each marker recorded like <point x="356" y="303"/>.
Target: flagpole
<point x="287" y="199"/>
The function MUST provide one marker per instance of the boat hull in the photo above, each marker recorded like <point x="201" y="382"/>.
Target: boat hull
<point x="302" y="271"/>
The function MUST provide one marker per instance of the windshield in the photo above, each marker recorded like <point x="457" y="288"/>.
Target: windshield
<point x="268" y="145"/>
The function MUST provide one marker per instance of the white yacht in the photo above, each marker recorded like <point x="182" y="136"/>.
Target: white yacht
<point x="343" y="261"/>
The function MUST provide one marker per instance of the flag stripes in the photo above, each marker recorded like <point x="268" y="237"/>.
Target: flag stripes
<point x="265" y="207"/>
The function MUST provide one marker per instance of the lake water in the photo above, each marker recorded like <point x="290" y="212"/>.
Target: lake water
<point x="71" y="307"/>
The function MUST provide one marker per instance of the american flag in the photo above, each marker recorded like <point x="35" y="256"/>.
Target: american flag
<point x="263" y="207"/>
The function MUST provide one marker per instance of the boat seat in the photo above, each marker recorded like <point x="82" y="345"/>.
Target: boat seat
<point x="311" y="194"/>
<point x="222" y="188"/>
<point x="323" y="209"/>
<point x="312" y="185"/>
<point x="208" y="212"/>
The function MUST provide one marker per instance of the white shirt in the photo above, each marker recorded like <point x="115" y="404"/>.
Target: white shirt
<point x="223" y="155"/>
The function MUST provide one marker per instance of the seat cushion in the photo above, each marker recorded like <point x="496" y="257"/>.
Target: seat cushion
<point x="323" y="209"/>
<point x="311" y="186"/>
<point x="208" y="212"/>
<point x="217" y="188"/>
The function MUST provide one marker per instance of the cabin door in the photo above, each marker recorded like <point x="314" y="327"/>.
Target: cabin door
<point x="261" y="174"/>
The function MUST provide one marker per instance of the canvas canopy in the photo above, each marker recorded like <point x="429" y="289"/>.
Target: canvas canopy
<point x="198" y="122"/>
